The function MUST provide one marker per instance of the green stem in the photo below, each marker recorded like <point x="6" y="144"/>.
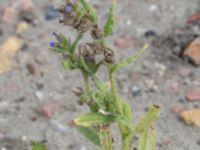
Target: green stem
<point x="75" y="43"/>
<point x="87" y="82"/>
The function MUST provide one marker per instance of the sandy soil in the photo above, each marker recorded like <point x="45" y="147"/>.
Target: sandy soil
<point x="22" y="95"/>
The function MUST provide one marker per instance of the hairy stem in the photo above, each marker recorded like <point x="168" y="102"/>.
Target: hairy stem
<point x="75" y="43"/>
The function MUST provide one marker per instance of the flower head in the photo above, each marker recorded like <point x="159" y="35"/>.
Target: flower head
<point x="68" y="8"/>
<point x="52" y="44"/>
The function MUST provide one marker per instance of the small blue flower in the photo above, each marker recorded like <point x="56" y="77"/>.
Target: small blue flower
<point x="68" y="8"/>
<point x="52" y="44"/>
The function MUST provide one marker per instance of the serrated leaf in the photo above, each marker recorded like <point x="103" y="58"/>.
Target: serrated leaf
<point x="148" y="120"/>
<point x="143" y="140"/>
<point x="38" y="146"/>
<point x="89" y="119"/>
<point x="89" y="9"/>
<point x="108" y="28"/>
<point x="128" y="61"/>
<point x="90" y="133"/>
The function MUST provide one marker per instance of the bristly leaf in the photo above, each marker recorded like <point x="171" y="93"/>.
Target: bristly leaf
<point x="127" y="110"/>
<point x="67" y="64"/>
<point x="128" y="61"/>
<point x="89" y="119"/>
<point x="148" y="120"/>
<point x="90" y="134"/>
<point x="106" y="139"/>
<point x="143" y="141"/>
<point x="89" y="9"/>
<point x="38" y="146"/>
<point x="108" y="28"/>
<point x="152" y="143"/>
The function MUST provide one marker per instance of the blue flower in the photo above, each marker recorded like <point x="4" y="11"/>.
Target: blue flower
<point x="52" y="44"/>
<point x="68" y="8"/>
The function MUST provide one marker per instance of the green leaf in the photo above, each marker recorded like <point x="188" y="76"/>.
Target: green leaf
<point x="90" y="133"/>
<point x="108" y="28"/>
<point x="89" y="119"/>
<point x="148" y="120"/>
<point x="90" y="10"/>
<point x="128" y="61"/>
<point x="38" y="146"/>
<point x="84" y="65"/>
<point x="67" y="64"/>
<point x="75" y="43"/>
<point x="152" y="143"/>
<point x="143" y="140"/>
<point x="127" y="110"/>
<point x="106" y="139"/>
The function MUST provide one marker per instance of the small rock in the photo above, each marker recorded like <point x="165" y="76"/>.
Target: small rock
<point x="40" y="86"/>
<point x="28" y="16"/>
<point x="191" y="117"/>
<point x="39" y="95"/>
<point x="124" y="42"/>
<point x="150" y="33"/>
<point x="49" y="109"/>
<point x="184" y="72"/>
<point x="51" y="13"/>
<point x="136" y="90"/>
<point x="194" y="95"/>
<point x="7" y="51"/>
<point x="161" y="68"/>
<point x="175" y="86"/>
<point x="3" y="148"/>
<point x="58" y="126"/>
<point x="177" y="108"/>
<point x="21" y="27"/>
<point x="151" y="85"/>
<point x="31" y="69"/>
<point x="193" y="51"/>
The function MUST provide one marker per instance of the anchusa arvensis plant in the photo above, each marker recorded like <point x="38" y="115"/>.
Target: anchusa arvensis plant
<point x="106" y="105"/>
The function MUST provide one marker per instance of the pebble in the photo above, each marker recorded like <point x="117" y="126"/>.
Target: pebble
<point x="194" y="95"/>
<point x="193" y="52"/>
<point x="150" y="33"/>
<point x="124" y="42"/>
<point x="175" y="86"/>
<point x="151" y="85"/>
<point x="22" y="27"/>
<point x="28" y="16"/>
<point x="161" y="68"/>
<point x="135" y="90"/>
<point x="3" y="148"/>
<point x="31" y="69"/>
<point x="49" y="109"/>
<point x="51" y="13"/>
<point x="58" y="126"/>
<point x="39" y="95"/>
<point x="40" y="86"/>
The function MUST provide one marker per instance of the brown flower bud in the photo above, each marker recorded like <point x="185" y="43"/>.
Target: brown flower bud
<point x="96" y="47"/>
<point x="78" y="91"/>
<point x="84" y="24"/>
<point x="96" y="33"/>
<point x="109" y="55"/>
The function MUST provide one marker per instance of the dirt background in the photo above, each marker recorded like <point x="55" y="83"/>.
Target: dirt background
<point x="159" y="77"/>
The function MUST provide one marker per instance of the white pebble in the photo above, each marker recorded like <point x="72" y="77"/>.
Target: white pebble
<point x="39" y="95"/>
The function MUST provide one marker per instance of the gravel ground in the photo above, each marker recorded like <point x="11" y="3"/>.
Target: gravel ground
<point x="24" y="92"/>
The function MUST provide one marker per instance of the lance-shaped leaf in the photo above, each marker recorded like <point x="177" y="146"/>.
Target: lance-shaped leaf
<point x="67" y="64"/>
<point x="38" y="146"/>
<point x="128" y="61"/>
<point x="90" y="134"/>
<point x="152" y="140"/>
<point x="108" y="28"/>
<point x="106" y="139"/>
<point x="127" y="110"/>
<point x="148" y="120"/>
<point x="89" y="9"/>
<point x="89" y="119"/>
<point x="143" y="141"/>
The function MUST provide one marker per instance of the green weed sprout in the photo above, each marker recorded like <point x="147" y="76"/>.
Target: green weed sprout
<point x="106" y="105"/>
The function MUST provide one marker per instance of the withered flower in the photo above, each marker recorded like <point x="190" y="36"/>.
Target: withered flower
<point x="96" y="33"/>
<point x="109" y="55"/>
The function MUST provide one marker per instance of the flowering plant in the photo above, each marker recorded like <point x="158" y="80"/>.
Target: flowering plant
<point x="106" y="105"/>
